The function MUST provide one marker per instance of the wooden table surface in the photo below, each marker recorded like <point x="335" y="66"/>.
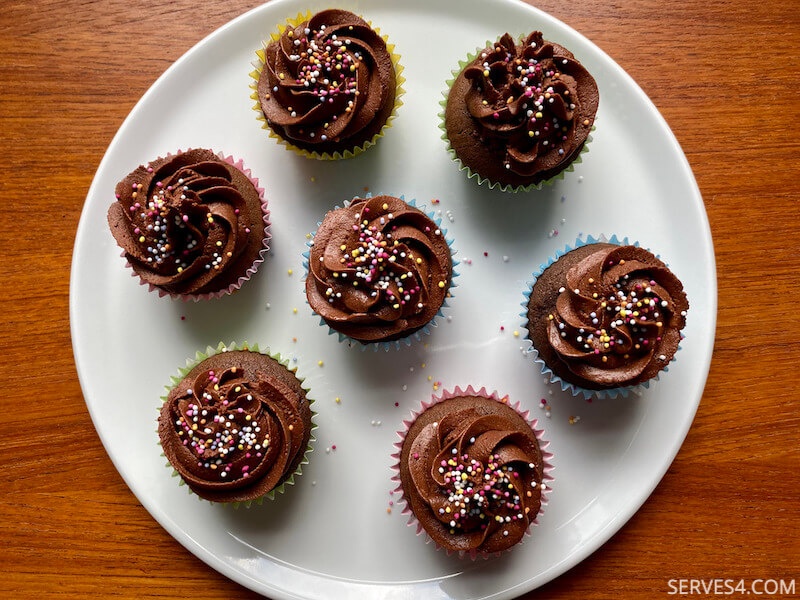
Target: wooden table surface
<point x="725" y="76"/>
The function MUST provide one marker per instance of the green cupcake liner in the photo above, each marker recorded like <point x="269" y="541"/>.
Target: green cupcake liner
<point x="199" y="357"/>
<point x="480" y="179"/>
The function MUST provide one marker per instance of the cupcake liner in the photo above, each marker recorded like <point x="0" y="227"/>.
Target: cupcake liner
<point x="480" y="179"/>
<point x="251" y="270"/>
<point x="547" y="457"/>
<point x="566" y="386"/>
<point x="199" y="357"/>
<point x="415" y="336"/>
<point x="258" y="66"/>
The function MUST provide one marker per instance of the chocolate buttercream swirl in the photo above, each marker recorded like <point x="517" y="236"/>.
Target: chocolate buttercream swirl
<point x="234" y="433"/>
<point x="329" y="83"/>
<point x="475" y="476"/>
<point x="188" y="224"/>
<point x="617" y="320"/>
<point x="536" y="99"/>
<point x="378" y="269"/>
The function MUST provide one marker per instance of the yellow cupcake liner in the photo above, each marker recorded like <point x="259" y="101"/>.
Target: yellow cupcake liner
<point x="349" y="152"/>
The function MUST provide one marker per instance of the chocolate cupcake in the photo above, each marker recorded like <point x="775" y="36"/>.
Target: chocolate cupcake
<point x="327" y="85"/>
<point x="379" y="270"/>
<point x="605" y="317"/>
<point x="473" y="472"/>
<point x="192" y="225"/>
<point x="236" y="425"/>
<point x="518" y="115"/>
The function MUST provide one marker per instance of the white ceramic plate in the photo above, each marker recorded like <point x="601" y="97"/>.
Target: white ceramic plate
<point x="333" y="535"/>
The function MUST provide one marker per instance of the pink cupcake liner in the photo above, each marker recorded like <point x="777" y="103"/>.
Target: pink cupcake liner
<point x="547" y="466"/>
<point x="251" y="270"/>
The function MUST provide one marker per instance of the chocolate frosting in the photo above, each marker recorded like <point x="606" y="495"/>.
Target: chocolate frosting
<point x="236" y="426"/>
<point x="616" y="317"/>
<point x="190" y="223"/>
<point x="328" y="84"/>
<point x="378" y="269"/>
<point x="471" y="470"/>
<point x="521" y="113"/>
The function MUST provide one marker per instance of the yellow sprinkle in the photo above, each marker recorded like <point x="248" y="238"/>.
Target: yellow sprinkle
<point x="516" y="334"/>
<point x="385" y="206"/>
<point x="338" y="400"/>
<point x="320" y="363"/>
<point x="538" y="115"/>
<point x="289" y="271"/>
<point x="441" y="284"/>
<point x="141" y="238"/>
<point x="294" y="310"/>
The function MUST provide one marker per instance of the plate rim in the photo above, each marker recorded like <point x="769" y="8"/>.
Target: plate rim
<point x="569" y="561"/>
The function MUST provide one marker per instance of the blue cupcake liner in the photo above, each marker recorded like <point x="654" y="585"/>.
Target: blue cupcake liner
<point x="416" y="335"/>
<point x="567" y="386"/>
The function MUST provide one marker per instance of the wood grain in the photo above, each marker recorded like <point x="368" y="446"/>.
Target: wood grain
<point x="725" y="76"/>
